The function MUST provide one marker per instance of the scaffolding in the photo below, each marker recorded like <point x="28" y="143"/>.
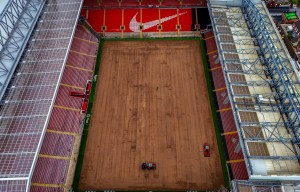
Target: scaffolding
<point x="17" y="21"/>
<point x="263" y="86"/>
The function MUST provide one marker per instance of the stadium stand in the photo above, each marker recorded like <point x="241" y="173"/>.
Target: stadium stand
<point x="27" y="103"/>
<point x="57" y="158"/>
<point x="263" y="89"/>
<point x="235" y="156"/>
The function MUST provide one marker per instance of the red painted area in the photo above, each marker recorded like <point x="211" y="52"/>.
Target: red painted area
<point x="212" y="49"/>
<point x="149" y="17"/>
<point x="210" y="42"/>
<point x="218" y="78"/>
<point x="239" y="171"/>
<point x="228" y="122"/>
<point x="113" y="20"/>
<point x="145" y="2"/>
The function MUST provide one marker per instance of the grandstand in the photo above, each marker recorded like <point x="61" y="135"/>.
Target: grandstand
<point x="31" y="141"/>
<point x="48" y="58"/>
<point x="63" y="134"/>
<point x="263" y="88"/>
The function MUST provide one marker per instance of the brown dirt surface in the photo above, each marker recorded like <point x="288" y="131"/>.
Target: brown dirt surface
<point x="151" y="105"/>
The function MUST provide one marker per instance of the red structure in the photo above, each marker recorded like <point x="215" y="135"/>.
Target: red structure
<point x="206" y="150"/>
<point x="95" y="3"/>
<point x="127" y="15"/>
<point x="113" y="19"/>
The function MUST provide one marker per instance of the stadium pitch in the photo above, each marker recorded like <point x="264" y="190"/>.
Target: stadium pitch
<point x="151" y="105"/>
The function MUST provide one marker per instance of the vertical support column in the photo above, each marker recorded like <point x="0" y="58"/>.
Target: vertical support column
<point x="141" y="22"/>
<point x="159" y="30"/>
<point x="197" y="22"/>
<point x="104" y="26"/>
<point x="122" y="35"/>
<point x="178" y="23"/>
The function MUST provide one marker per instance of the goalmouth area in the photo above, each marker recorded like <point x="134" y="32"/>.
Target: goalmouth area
<point x="151" y="104"/>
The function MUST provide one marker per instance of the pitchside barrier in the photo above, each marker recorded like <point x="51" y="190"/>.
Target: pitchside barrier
<point x="235" y="160"/>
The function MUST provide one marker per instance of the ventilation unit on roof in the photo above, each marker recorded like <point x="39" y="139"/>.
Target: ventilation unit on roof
<point x="261" y="99"/>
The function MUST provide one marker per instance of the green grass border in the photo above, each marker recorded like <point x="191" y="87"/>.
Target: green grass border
<point x="154" y="39"/>
<point x="93" y="92"/>
<point x="214" y="114"/>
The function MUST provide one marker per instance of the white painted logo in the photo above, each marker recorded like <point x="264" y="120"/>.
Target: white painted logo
<point x="237" y="148"/>
<point x="134" y="25"/>
<point x="216" y="59"/>
<point x="225" y="97"/>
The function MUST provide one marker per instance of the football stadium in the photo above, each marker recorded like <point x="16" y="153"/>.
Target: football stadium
<point x="146" y="95"/>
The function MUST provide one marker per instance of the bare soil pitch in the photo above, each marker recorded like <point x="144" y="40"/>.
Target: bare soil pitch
<point x="151" y="105"/>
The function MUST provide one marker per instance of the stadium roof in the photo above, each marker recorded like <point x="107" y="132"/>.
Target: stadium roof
<point x="17" y="20"/>
<point x="28" y="101"/>
<point x="2" y="5"/>
<point x="264" y="87"/>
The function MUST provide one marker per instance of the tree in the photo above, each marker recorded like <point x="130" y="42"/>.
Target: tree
<point x="295" y="2"/>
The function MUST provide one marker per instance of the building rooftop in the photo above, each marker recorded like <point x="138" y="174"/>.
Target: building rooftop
<point x="290" y="16"/>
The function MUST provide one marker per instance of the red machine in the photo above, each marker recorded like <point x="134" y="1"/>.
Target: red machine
<point x="206" y="150"/>
<point x="84" y="106"/>
<point x="149" y="166"/>
<point x="79" y="95"/>
<point x="88" y="87"/>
